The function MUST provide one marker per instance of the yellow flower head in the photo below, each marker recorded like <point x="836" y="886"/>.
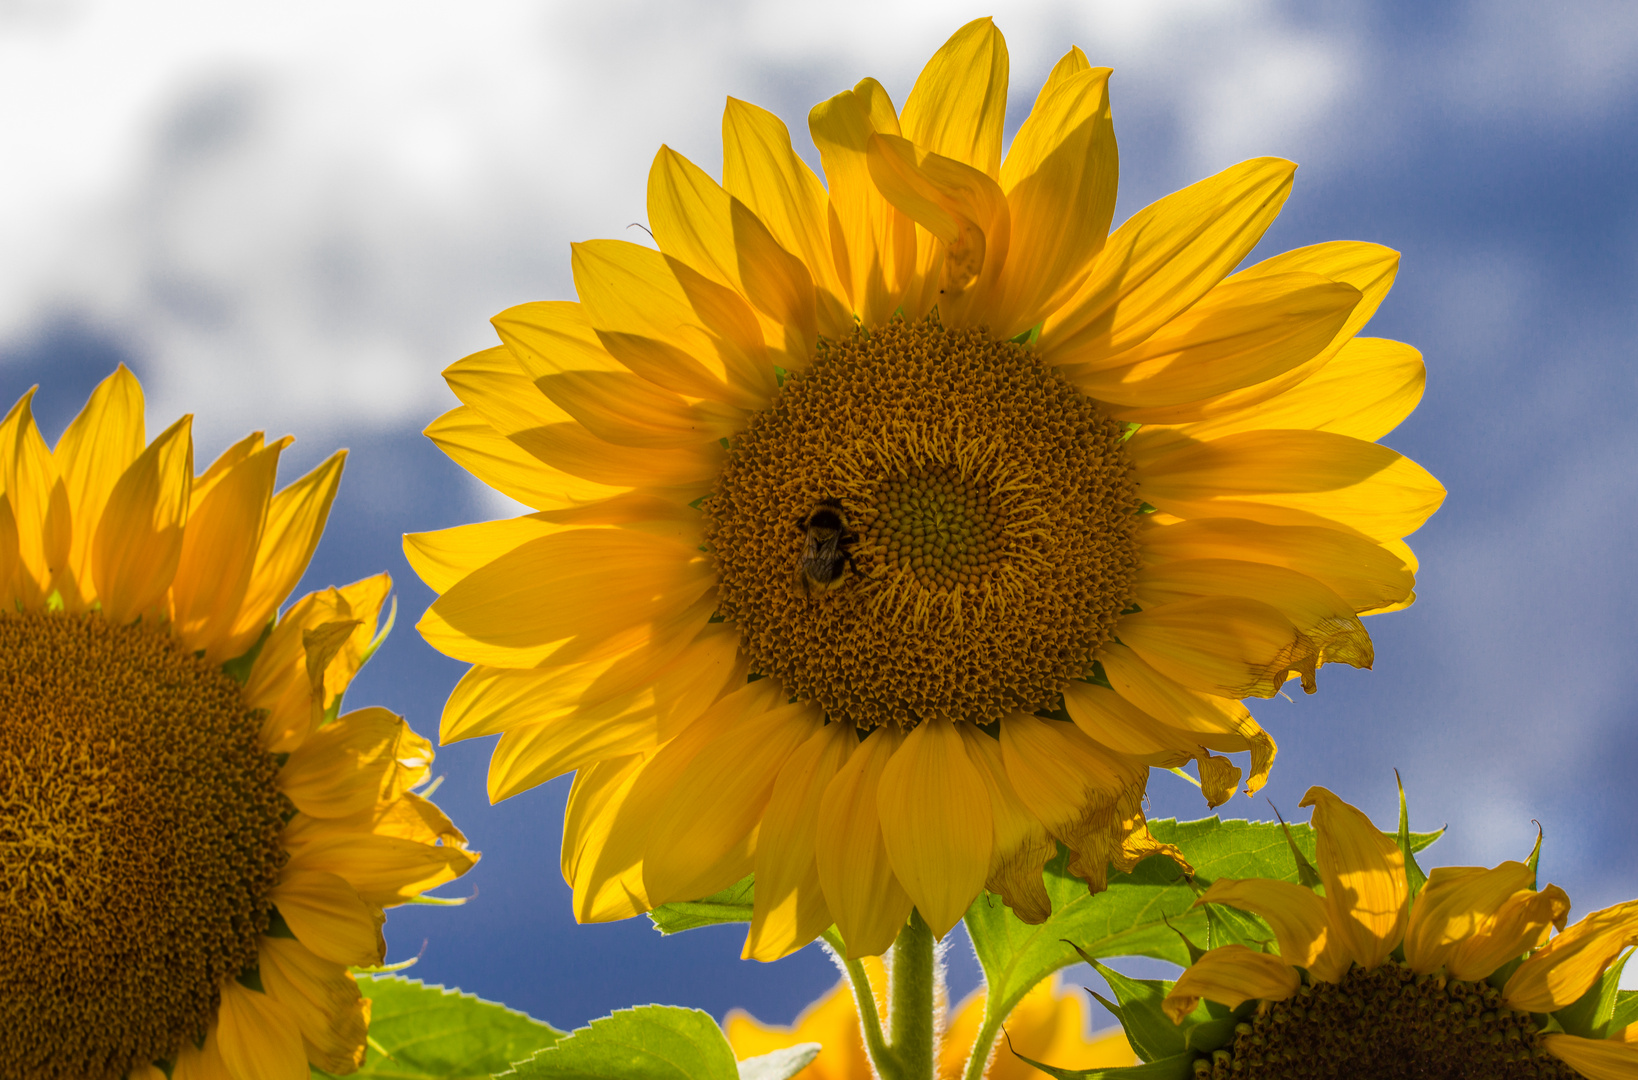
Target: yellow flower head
<point x="997" y="509"/>
<point x="195" y="844"/>
<point x="1049" y="1024"/>
<point x="1364" y="977"/>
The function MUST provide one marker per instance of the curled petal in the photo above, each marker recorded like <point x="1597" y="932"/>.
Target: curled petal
<point x="1230" y="975"/>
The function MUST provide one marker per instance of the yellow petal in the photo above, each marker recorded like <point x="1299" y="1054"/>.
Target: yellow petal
<point x="219" y="553"/>
<point x="258" y="1037"/>
<point x="832" y="1022"/>
<point x="1239" y="334"/>
<point x="96" y="448"/>
<point x="585" y="582"/>
<point x="1370" y="268"/>
<point x="364" y="757"/>
<point x="1561" y="971"/>
<point x="602" y="892"/>
<point x="139" y="539"/>
<point x="331" y="1014"/>
<point x="1456" y="903"/>
<point x="529" y="754"/>
<point x="500" y="389"/>
<point x="445" y="556"/>
<point x="1229" y="646"/>
<point x="1596" y="1059"/>
<point x="960" y="206"/>
<point x="698" y="223"/>
<point x="936" y="823"/>
<point x="959" y="103"/>
<point x="1364" y="876"/>
<point x="626" y="410"/>
<point x="668" y="323"/>
<point x="874" y="243"/>
<point x="720" y="799"/>
<point x="1367" y="575"/>
<point x="327" y="916"/>
<point x="1327" y="620"/>
<point x="201" y="1062"/>
<point x="547" y="337"/>
<point x="295" y="521"/>
<point x="505" y="466"/>
<point x="1114" y="722"/>
<point x="1020" y="845"/>
<point x="572" y="449"/>
<point x="1290" y="478"/>
<point x="12" y="591"/>
<point x="384" y="868"/>
<point x="40" y="506"/>
<point x="1297" y="916"/>
<point x="789" y="909"/>
<point x="1086" y="797"/>
<point x="1521" y="923"/>
<point x="760" y="168"/>
<point x="1059" y="178"/>
<point x="1230" y="975"/>
<point x="861" y="890"/>
<point x="1163" y="259"/>
<point x="1364" y="391"/>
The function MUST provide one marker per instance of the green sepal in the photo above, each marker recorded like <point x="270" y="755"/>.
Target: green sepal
<point x="1307" y="876"/>
<point x="1141" y="1012"/>
<point x="1534" y="860"/>
<point x="1028" y="337"/>
<point x="649" y="1042"/>
<point x="1591" y="1016"/>
<point x="731" y="905"/>
<point x="238" y="669"/>
<point x="420" y="1032"/>
<point x="1195" y="951"/>
<point x="1413" y="873"/>
<point x="1129" y="429"/>
<point x="1180" y="1067"/>
<point x="1227" y="925"/>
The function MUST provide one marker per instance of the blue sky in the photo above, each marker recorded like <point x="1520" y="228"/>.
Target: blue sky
<point x="292" y="217"/>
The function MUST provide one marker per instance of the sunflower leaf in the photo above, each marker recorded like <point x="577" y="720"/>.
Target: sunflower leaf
<point x="420" y="1032"/>
<point x="1626" y="1009"/>
<point x="649" y="1042"/>
<point x="731" y="905"/>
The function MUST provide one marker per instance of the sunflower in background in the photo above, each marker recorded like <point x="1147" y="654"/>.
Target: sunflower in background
<point x="1377" y="979"/>
<point x="890" y="528"/>
<point x="195" y="843"/>
<point x="1049" y="1024"/>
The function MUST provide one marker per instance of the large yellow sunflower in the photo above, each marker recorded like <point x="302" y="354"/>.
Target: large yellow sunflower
<point x="993" y="508"/>
<point x="195" y="844"/>
<point x="1367" y="982"/>
<point x="1049" y="1024"/>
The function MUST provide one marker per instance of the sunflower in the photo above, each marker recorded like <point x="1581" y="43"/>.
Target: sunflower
<point x="1370" y="980"/>
<point x="1049" y="1024"/>
<point x="195" y="843"/>
<point x="889" y="529"/>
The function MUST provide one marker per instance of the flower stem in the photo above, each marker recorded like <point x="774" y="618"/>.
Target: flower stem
<point x="910" y="1012"/>
<point x="983" y="1044"/>
<point x="864" y="1001"/>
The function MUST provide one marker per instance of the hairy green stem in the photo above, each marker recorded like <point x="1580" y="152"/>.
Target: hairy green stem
<point x="912" y="988"/>
<point x="864" y="1001"/>
<point x="984" y="1043"/>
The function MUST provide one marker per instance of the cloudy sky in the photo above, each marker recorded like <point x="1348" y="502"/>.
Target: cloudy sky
<point x="292" y="216"/>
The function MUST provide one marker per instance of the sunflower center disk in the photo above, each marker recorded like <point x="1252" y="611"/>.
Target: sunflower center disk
<point x="989" y="512"/>
<point x="139" y="840"/>
<point x="1387" y="1024"/>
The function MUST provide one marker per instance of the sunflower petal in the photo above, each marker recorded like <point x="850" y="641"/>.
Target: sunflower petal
<point x="258" y="1037"/>
<point x="1290" y="478"/>
<point x="855" y="872"/>
<point x="1561" y="971"/>
<point x="96" y="448"/>
<point x="626" y="410"/>
<point x="1596" y="1059"/>
<point x="1456" y="903"/>
<point x="327" y="916"/>
<point x="219" y="553"/>
<point x="1297" y="916"/>
<point x="1364" y="876"/>
<point x="1229" y="646"/>
<point x="1522" y="922"/>
<point x="1163" y="259"/>
<point x="789" y="910"/>
<point x="478" y="448"/>
<point x="323" y="999"/>
<point x="936" y="823"/>
<point x="362" y="758"/>
<point x="1020" y="846"/>
<point x="958" y="106"/>
<point x="603" y="891"/>
<point x="40" y="505"/>
<point x="1230" y="975"/>
<point x="139" y="539"/>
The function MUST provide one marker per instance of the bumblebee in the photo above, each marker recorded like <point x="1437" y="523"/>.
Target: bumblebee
<point x="825" y="556"/>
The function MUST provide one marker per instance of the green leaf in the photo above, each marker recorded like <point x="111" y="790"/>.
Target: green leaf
<point x="1141" y="913"/>
<point x="1626" y="1009"/>
<point x="420" y="1032"/>
<point x="1591" y="1015"/>
<point x="1180" y="1067"/>
<point x="779" y="1065"/>
<point x="650" y="1042"/>
<point x="731" y="905"/>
